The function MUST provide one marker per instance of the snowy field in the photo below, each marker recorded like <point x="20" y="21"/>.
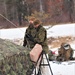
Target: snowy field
<point x="57" y="30"/>
<point x="64" y="68"/>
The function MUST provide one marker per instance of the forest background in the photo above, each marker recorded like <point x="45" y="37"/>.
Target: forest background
<point x="16" y="13"/>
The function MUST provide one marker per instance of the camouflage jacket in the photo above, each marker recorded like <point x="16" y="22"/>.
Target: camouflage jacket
<point x="39" y="36"/>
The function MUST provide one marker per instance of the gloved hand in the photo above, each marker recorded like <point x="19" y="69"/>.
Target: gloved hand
<point x="24" y="43"/>
<point x="27" y="36"/>
<point x="30" y="37"/>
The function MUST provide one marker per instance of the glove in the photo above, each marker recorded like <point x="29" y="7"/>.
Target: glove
<point x="25" y="43"/>
<point x="30" y="37"/>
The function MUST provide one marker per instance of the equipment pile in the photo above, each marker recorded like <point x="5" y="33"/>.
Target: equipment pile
<point x="13" y="58"/>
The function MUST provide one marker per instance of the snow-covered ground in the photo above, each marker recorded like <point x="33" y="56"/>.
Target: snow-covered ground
<point x="57" y="30"/>
<point x="64" y="68"/>
<point x="62" y="30"/>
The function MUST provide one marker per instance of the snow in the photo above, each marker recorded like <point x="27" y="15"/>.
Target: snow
<point x="12" y="33"/>
<point x="62" y="30"/>
<point x="55" y="31"/>
<point x="63" y="68"/>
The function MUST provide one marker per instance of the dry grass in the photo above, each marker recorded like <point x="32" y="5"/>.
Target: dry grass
<point x="56" y="42"/>
<point x="52" y="41"/>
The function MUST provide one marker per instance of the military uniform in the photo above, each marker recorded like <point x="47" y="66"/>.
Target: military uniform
<point x="28" y="30"/>
<point x="38" y="35"/>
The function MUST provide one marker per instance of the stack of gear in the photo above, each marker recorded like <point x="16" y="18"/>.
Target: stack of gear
<point x="65" y="52"/>
<point x="13" y="59"/>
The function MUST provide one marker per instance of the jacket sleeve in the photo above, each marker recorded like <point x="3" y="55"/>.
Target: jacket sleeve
<point x="41" y="36"/>
<point x="25" y="41"/>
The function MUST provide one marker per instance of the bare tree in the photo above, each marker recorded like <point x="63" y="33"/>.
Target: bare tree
<point x="68" y="7"/>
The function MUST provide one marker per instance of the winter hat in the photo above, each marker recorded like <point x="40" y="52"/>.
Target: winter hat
<point x="37" y="21"/>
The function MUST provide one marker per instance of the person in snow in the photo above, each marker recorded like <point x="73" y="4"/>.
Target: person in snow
<point x="35" y="35"/>
<point x="26" y="44"/>
<point x="28" y="30"/>
<point x="65" y="52"/>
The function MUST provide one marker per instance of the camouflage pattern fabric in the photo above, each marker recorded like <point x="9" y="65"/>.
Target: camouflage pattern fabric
<point x="39" y="35"/>
<point x="14" y="59"/>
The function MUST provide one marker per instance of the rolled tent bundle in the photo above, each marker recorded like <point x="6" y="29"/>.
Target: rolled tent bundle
<point x="13" y="58"/>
